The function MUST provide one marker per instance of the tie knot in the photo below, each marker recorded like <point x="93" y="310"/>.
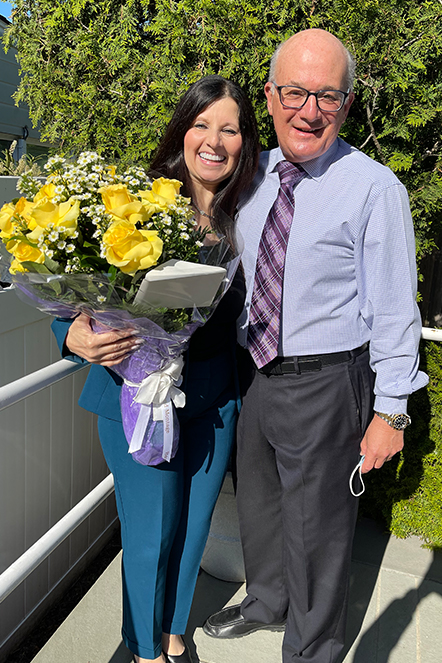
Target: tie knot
<point x="289" y="173"/>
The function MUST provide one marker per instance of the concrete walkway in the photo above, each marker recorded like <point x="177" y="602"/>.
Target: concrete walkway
<point x="395" y="613"/>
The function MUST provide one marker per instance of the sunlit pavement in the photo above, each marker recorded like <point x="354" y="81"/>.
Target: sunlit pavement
<point x="395" y="613"/>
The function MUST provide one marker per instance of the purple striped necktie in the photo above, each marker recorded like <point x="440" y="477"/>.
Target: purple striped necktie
<point x="265" y="308"/>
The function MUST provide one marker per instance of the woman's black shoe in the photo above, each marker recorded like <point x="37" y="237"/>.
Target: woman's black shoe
<point x="182" y="658"/>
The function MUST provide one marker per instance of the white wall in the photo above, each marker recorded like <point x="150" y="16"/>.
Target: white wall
<point x="8" y="189"/>
<point x="50" y="458"/>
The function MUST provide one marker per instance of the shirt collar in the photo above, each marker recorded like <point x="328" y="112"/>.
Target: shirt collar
<point x="314" y="168"/>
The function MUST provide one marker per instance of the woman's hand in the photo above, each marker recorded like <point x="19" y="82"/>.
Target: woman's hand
<point x="106" y="349"/>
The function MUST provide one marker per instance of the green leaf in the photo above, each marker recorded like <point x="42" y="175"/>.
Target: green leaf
<point x="35" y="268"/>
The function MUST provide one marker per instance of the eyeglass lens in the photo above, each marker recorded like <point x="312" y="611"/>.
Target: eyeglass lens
<point x="295" y="97"/>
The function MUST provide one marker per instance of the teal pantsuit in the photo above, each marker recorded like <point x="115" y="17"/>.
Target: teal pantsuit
<point x="165" y="511"/>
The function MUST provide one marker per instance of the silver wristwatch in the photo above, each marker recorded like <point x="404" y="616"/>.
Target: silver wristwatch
<point x="396" y="421"/>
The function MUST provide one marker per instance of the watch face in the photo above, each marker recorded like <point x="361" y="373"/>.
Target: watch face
<point x="401" y="421"/>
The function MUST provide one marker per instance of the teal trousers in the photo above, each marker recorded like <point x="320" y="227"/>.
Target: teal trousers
<point x="165" y="511"/>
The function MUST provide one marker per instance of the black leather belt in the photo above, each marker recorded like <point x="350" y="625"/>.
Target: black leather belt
<point x="284" y="365"/>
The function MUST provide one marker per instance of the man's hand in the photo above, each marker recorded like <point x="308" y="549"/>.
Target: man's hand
<point x="107" y="349"/>
<point x="380" y="443"/>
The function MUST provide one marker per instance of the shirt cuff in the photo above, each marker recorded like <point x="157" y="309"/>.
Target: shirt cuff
<point x="391" y="405"/>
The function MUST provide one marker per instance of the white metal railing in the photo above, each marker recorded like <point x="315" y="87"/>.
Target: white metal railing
<point x="24" y="565"/>
<point x="429" y="334"/>
<point x="20" y="569"/>
<point x="24" y="387"/>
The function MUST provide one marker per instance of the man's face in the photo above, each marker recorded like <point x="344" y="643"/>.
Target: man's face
<point x="313" y="63"/>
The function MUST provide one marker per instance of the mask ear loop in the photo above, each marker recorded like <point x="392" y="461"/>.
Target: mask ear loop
<point x="357" y="469"/>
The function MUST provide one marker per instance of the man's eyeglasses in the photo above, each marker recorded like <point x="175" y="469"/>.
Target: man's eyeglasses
<point x="329" y="101"/>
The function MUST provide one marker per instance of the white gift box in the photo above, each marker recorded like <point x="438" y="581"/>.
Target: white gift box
<point x="180" y="284"/>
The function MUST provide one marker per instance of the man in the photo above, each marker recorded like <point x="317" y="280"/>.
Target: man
<point x="330" y="268"/>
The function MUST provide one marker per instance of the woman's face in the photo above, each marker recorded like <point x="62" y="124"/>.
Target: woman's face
<point x="213" y="143"/>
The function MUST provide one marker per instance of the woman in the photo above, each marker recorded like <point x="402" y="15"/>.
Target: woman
<point x="211" y="145"/>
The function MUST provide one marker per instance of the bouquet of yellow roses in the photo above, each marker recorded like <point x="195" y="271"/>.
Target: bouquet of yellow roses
<point x="125" y="250"/>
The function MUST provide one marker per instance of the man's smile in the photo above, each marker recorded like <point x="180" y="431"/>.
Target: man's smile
<point x="308" y="130"/>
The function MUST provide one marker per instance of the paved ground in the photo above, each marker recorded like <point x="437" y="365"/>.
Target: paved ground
<point x="395" y="612"/>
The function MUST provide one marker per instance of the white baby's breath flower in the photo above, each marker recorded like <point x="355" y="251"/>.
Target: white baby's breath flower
<point x="101" y="299"/>
<point x="70" y="248"/>
<point x="184" y="235"/>
<point x="61" y="245"/>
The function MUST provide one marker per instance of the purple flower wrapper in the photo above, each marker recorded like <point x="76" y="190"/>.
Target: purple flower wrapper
<point x="153" y="356"/>
<point x="152" y="373"/>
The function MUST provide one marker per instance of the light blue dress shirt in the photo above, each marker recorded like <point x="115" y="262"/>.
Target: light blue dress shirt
<point x="350" y="273"/>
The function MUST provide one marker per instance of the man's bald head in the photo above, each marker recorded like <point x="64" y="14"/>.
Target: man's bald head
<point x="315" y="38"/>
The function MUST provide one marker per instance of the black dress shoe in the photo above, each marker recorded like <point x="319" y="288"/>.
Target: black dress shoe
<point x="182" y="658"/>
<point x="229" y="623"/>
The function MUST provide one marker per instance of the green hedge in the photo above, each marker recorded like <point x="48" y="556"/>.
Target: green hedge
<point x="406" y="493"/>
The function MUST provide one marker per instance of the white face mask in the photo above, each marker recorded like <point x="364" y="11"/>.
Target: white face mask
<point x="358" y="469"/>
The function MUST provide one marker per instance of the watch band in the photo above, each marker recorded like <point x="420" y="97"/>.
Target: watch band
<point x="396" y="421"/>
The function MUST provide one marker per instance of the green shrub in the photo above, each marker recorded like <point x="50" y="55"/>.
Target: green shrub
<point x="26" y="165"/>
<point x="406" y="493"/>
<point x="107" y="74"/>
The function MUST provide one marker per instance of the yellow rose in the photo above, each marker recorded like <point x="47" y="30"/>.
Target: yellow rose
<point x="121" y="204"/>
<point x="131" y="249"/>
<point x="7" y="227"/>
<point x="16" y="266"/>
<point x="22" y="251"/>
<point x="23" y="208"/>
<point x="161" y="196"/>
<point x="46" y="191"/>
<point x="46" y="212"/>
<point x="115" y="195"/>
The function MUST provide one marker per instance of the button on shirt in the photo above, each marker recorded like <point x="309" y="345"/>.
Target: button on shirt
<point x="350" y="273"/>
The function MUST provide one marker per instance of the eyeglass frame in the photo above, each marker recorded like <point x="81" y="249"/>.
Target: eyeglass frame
<point x="310" y="94"/>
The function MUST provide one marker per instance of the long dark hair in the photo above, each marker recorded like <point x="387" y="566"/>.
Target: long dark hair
<point x="169" y="156"/>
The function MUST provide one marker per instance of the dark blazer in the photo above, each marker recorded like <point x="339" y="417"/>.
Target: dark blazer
<point x="101" y="393"/>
